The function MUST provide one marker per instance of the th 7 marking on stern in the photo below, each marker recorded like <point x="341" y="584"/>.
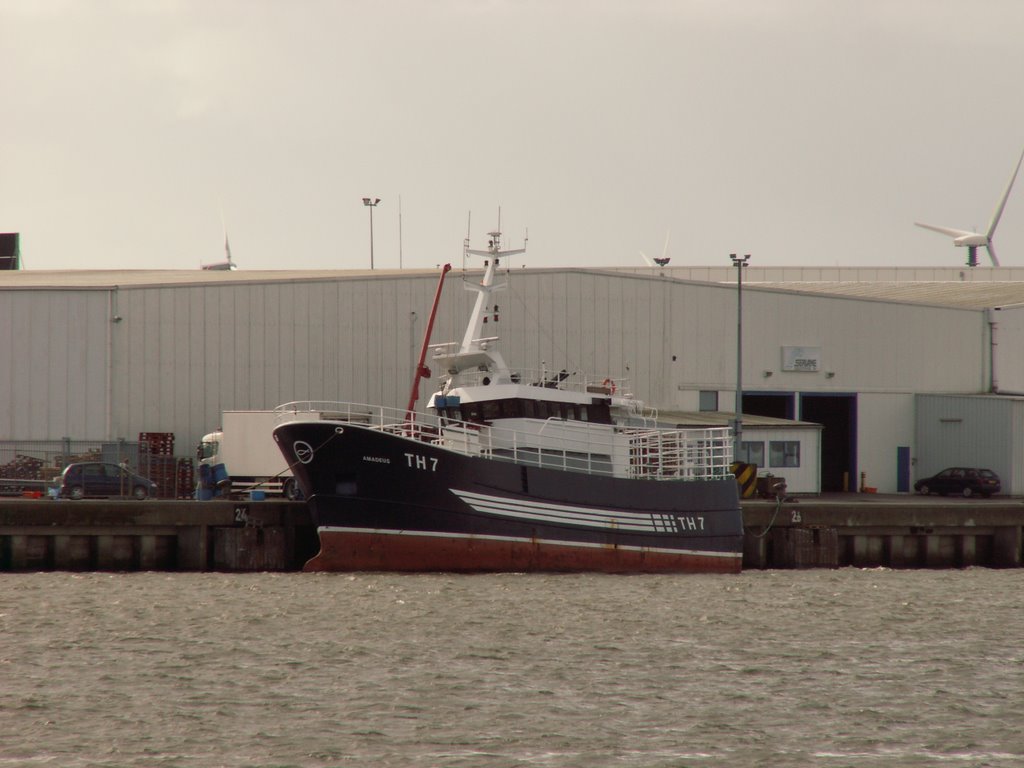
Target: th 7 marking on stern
<point x="666" y="523"/>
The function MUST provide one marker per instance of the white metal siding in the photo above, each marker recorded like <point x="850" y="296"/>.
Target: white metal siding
<point x="183" y="353"/>
<point x="969" y="431"/>
<point x="868" y="345"/>
<point x="53" y="364"/>
<point x="1009" y="349"/>
<point x="884" y="423"/>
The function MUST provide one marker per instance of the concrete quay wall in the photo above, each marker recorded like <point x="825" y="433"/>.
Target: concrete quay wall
<point x="158" y="535"/>
<point x="183" y="535"/>
<point x="865" y="531"/>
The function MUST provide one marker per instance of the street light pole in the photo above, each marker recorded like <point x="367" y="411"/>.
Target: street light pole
<point x="740" y="262"/>
<point x="371" y="204"/>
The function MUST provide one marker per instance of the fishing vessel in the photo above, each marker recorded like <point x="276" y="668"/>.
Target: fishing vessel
<point x="509" y="470"/>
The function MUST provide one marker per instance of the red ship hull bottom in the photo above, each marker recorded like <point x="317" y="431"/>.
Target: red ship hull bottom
<point x="424" y="552"/>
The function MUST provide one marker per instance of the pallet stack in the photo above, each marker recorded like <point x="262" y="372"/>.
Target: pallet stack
<point x="160" y="443"/>
<point x="162" y="465"/>
<point x="186" y="487"/>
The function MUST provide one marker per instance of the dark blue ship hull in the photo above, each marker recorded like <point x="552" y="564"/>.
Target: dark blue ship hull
<point x="385" y="502"/>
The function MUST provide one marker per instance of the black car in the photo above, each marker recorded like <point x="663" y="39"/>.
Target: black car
<point x="963" y="481"/>
<point x="100" y="478"/>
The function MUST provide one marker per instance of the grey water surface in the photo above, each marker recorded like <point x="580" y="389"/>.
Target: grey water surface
<point x="777" y="668"/>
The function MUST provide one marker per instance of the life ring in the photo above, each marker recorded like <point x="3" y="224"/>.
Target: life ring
<point x="609" y="385"/>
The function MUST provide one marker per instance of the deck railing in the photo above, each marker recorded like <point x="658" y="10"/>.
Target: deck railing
<point x="603" y="449"/>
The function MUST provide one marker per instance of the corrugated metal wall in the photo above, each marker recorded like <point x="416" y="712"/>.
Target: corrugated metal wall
<point x="1008" y="333"/>
<point x="966" y="431"/>
<point x="183" y="353"/>
<point x="54" y="364"/>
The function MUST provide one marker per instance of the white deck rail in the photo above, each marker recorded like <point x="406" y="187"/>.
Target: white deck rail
<point x="602" y="449"/>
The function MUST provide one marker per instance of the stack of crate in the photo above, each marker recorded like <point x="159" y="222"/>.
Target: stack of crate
<point x="161" y="462"/>
<point x="186" y="479"/>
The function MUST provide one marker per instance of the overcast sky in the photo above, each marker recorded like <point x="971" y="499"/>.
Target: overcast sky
<point x="803" y="132"/>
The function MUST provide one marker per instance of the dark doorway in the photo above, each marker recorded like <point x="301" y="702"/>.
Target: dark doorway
<point x="838" y="416"/>
<point x="10" y="251"/>
<point x="776" y="406"/>
<point x="903" y="469"/>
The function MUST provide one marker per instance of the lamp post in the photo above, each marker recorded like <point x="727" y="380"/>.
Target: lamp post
<point x="371" y="203"/>
<point x="740" y="262"/>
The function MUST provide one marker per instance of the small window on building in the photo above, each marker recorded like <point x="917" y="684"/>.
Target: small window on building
<point x="708" y="400"/>
<point x="784" y="453"/>
<point x="752" y="452"/>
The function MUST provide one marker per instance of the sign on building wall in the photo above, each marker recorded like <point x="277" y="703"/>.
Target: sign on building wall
<point x="801" y="359"/>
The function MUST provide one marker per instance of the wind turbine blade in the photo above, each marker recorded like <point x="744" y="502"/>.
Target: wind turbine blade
<point x="664" y="251"/>
<point x="992" y="254"/>
<point x="945" y="230"/>
<point x="647" y="259"/>
<point x="1006" y="194"/>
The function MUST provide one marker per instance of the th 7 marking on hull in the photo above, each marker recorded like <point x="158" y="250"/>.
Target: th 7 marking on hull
<point x="415" y="461"/>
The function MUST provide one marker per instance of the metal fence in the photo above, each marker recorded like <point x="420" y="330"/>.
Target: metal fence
<point x="29" y="467"/>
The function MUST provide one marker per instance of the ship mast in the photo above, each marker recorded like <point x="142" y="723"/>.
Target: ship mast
<point x="482" y="307"/>
<point x="476" y="353"/>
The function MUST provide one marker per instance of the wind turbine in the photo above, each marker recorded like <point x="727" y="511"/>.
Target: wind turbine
<point x="663" y="261"/>
<point x="223" y="266"/>
<point x="974" y="240"/>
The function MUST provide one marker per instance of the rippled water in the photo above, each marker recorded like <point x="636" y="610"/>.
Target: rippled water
<point x="805" y="668"/>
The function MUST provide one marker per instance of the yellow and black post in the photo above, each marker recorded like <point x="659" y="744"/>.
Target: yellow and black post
<point x="746" y="477"/>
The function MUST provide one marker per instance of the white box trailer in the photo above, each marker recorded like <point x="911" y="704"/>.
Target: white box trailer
<point x="242" y="458"/>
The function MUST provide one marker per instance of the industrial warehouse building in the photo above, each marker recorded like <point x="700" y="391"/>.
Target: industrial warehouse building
<point x="897" y="372"/>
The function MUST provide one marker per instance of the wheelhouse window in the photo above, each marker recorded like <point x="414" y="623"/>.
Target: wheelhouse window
<point x="489" y="410"/>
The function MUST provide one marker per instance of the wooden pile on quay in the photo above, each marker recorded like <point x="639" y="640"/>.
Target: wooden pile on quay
<point x="174" y="477"/>
<point x="62" y="461"/>
<point x="22" y="468"/>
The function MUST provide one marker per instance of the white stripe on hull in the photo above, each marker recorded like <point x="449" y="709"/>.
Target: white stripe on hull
<point x="522" y="540"/>
<point x="564" y="514"/>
